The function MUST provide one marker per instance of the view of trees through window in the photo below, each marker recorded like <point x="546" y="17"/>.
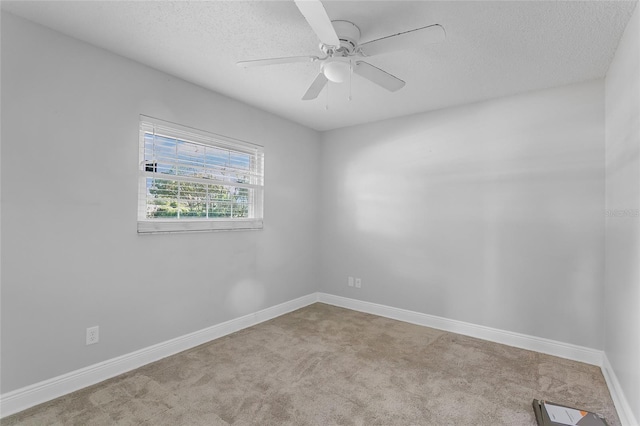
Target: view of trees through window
<point x="172" y="198"/>
<point x="205" y="183"/>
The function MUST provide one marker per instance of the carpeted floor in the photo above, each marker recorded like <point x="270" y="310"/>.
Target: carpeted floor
<point x="323" y="365"/>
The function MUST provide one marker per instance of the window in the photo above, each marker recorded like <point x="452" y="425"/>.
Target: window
<point x="191" y="180"/>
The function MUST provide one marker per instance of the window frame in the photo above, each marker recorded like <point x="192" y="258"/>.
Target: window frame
<point x="198" y="137"/>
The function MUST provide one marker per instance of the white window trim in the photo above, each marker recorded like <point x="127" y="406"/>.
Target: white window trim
<point x="170" y="225"/>
<point x="186" y="225"/>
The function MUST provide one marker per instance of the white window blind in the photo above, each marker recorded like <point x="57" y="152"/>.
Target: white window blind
<point x="191" y="180"/>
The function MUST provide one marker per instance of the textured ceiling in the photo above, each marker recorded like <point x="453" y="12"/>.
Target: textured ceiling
<point x="492" y="49"/>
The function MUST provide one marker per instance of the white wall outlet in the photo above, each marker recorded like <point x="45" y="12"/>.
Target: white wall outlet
<point x="358" y="282"/>
<point x="93" y="335"/>
<point x="350" y="282"/>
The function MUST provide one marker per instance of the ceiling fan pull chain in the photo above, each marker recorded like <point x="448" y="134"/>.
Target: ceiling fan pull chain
<point x="326" y="105"/>
<point x="350" y="77"/>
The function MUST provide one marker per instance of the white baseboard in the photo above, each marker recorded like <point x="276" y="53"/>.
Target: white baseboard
<point x="627" y="418"/>
<point x="523" y="341"/>
<point x="29" y="396"/>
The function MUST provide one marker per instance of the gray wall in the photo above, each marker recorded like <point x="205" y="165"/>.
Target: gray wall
<point x="489" y="213"/>
<point x="71" y="257"/>
<point x="622" y="285"/>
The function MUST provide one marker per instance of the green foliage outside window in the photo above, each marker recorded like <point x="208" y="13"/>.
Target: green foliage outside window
<point x="174" y="199"/>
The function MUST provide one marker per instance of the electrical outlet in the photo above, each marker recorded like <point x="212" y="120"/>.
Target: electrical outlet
<point x="93" y="335"/>
<point x="350" y="282"/>
<point x="358" y="282"/>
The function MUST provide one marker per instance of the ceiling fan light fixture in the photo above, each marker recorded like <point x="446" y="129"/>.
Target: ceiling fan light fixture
<point x="336" y="70"/>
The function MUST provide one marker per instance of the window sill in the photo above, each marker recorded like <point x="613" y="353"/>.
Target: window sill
<point x="172" y="226"/>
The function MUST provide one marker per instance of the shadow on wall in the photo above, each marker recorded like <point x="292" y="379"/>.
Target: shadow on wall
<point x="481" y="227"/>
<point x="246" y="296"/>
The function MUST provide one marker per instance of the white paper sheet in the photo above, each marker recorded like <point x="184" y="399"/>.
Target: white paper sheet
<point x="564" y="415"/>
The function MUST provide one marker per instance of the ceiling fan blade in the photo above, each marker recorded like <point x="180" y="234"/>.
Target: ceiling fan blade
<point x="377" y="76"/>
<point x="315" y="88"/>
<point x="274" y="61"/>
<point x="406" y="40"/>
<point x="315" y="14"/>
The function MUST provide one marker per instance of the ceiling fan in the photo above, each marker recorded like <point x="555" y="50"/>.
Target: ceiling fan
<point x="339" y="43"/>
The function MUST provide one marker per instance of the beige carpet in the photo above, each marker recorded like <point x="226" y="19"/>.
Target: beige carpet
<point x="323" y="365"/>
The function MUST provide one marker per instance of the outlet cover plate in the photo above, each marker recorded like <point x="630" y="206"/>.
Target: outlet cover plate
<point x="93" y="335"/>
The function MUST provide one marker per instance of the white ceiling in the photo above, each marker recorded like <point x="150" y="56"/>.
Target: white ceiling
<point x="493" y="48"/>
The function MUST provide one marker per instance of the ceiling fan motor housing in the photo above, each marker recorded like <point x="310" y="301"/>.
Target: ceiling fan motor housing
<point x="349" y="36"/>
